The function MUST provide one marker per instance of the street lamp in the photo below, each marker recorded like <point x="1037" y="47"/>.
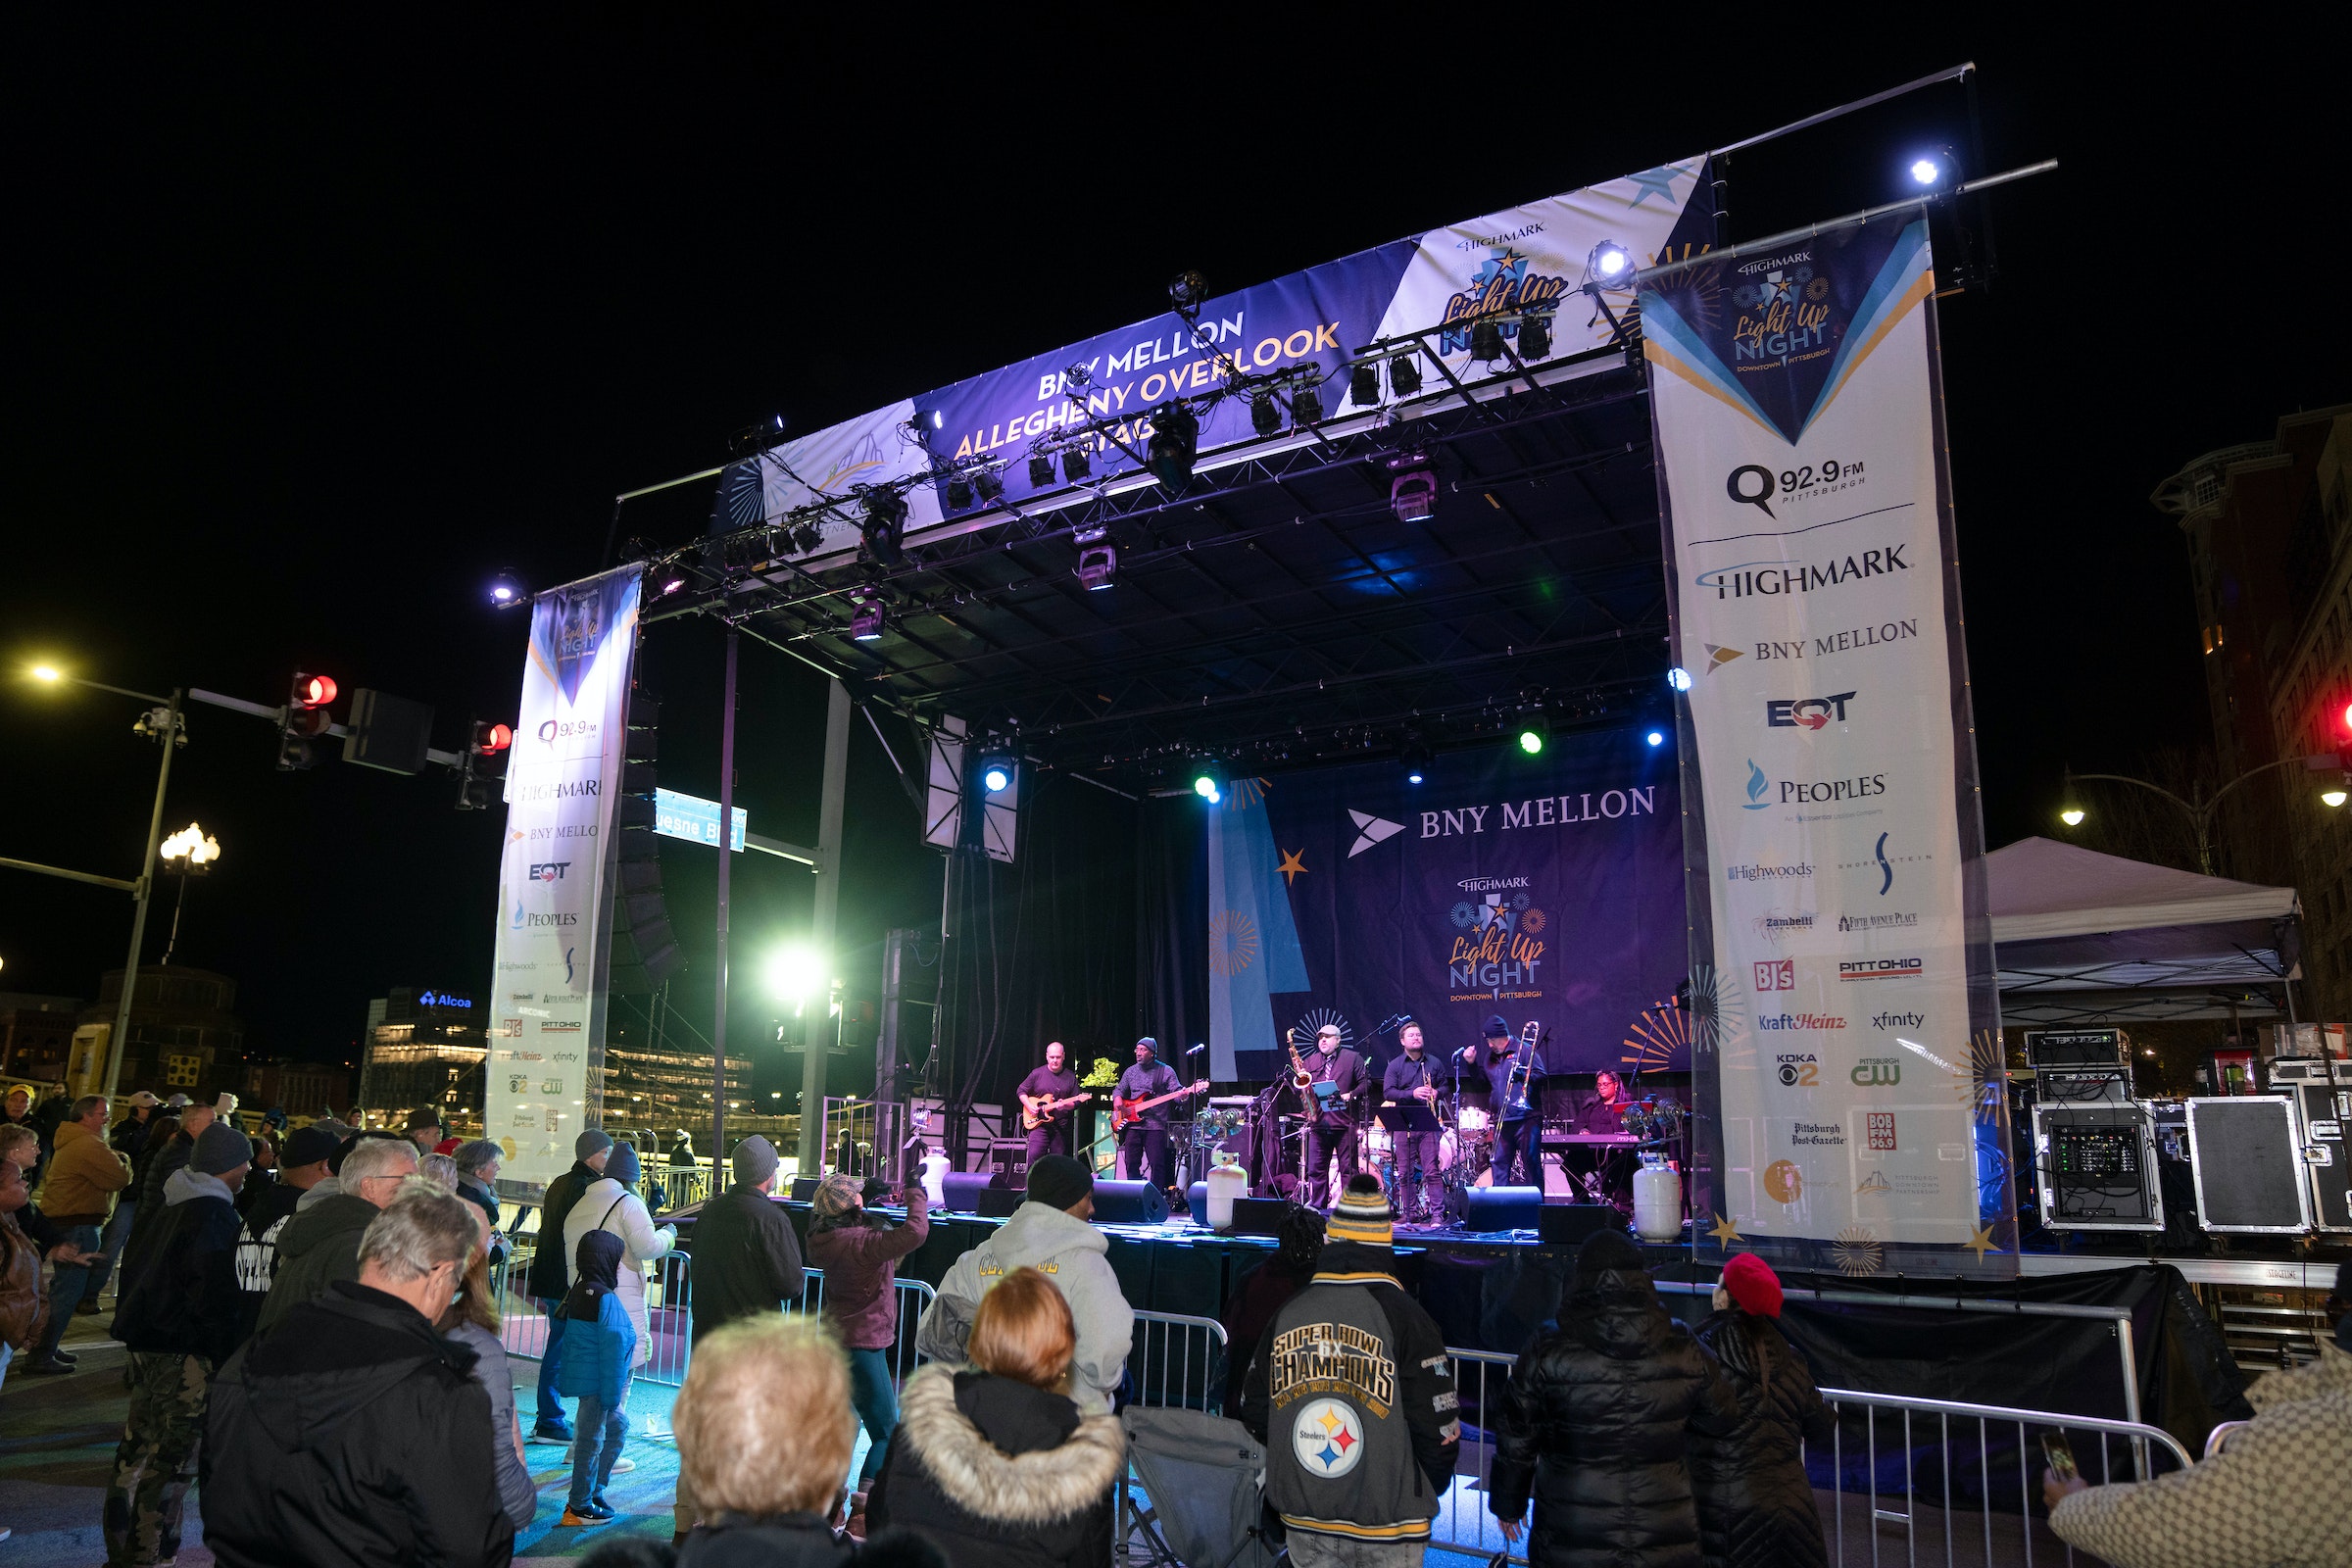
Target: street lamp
<point x="2200" y="806"/>
<point x="188" y="853"/>
<point x="794" y="974"/>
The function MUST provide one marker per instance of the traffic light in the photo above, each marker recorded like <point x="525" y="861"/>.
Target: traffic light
<point x="303" y="717"/>
<point x="482" y="766"/>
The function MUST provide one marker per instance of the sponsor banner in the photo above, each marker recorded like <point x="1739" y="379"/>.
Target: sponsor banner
<point x="1522" y="257"/>
<point x="1547" y="887"/>
<point x="555" y="883"/>
<point x="1795" y="394"/>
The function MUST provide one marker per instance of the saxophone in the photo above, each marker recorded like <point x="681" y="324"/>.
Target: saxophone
<point x="1300" y="1078"/>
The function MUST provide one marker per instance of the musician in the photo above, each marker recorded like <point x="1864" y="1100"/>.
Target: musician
<point x="1518" y="1129"/>
<point x="1332" y="1129"/>
<point x="1411" y="1079"/>
<point x="1147" y="1140"/>
<point x="1043" y="1086"/>
<point x="1601" y="1109"/>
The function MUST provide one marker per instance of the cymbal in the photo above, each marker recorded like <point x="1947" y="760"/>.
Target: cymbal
<point x="1236" y="1100"/>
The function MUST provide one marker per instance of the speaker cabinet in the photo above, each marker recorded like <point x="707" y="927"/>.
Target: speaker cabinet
<point x="1257" y="1217"/>
<point x="803" y="1188"/>
<point x="2247" y="1154"/>
<point x="1502" y="1208"/>
<point x="963" y="1190"/>
<point x="1129" y="1204"/>
<point x="1568" y="1224"/>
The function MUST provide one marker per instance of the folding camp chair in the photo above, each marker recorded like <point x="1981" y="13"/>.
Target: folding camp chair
<point x="1198" y="1507"/>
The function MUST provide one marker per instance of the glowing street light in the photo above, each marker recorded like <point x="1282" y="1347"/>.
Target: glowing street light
<point x="48" y="673"/>
<point x="190" y="849"/>
<point x="794" y="974"/>
<point x="2072" y="817"/>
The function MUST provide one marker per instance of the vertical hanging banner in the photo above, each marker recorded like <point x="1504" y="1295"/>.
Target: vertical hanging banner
<point x="1841" y="955"/>
<point x="546" y="1028"/>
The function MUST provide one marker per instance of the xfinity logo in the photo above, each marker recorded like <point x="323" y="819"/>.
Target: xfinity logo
<point x="1808" y="712"/>
<point x="1898" y="1021"/>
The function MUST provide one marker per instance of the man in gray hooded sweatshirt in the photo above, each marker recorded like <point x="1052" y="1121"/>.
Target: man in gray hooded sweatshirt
<point x="1048" y="1233"/>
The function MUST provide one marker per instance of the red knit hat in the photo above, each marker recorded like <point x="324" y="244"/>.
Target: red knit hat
<point x="1752" y="1284"/>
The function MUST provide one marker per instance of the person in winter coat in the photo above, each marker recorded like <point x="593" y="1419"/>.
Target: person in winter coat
<point x="1299" y="1243"/>
<point x="354" y="1437"/>
<point x="479" y="1164"/>
<point x="1353" y="1394"/>
<point x="2256" y="1503"/>
<point x="993" y="1464"/>
<point x="860" y="1253"/>
<point x="320" y="1245"/>
<point x="747" y="1260"/>
<point x="1049" y="1233"/>
<point x="84" y="1175"/>
<point x="179" y="1320"/>
<point x="1756" y="1503"/>
<point x="600" y="1345"/>
<point x="472" y="1321"/>
<point x="549" y="1280"/>
<point x="1594" y="1426"/>
<point x="165" y="1157"/>
<point x="23" y="1305"/>
<point x="270" y="1210"/>
<point x="611" y="1203"/>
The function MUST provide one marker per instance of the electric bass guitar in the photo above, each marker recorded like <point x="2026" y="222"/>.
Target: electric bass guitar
<point x="1035" y="1113"/>
<point x="1125" y="1113"/>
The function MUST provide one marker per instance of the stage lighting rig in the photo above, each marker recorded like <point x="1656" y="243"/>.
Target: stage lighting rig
<point x="1209" y="779"/>
<point x="1186" y="292"/>
<point x="997" y="769"/>
<point x="1040" y="469"/>
<point x="806" y="537"/>
<point x="1175" y="441"/>
<point x="1610" y="263"/>
<point x="1934" y="169"/>
<point x="884" y="525"/>
<point x="1486" y="339"/>
<point x="1097" y="564"/>
<point x="1363" y="384"/>
<point x="960" y="491"/>
<point x="1413" y="489"/>
<point x="1535" y="336"/>
<point x="1077" y="464"/>
<point x="1306" y="404"/>
<point x="753" y="439"/>
<point x="1404" y="374"/>
<point x="865" y="625"/>
<point x="1416" y="756"/>
<point x="507" y="591"/>
<point x="990" y="483"/>
<point x="1534" y="732"/>
<point x="1265" y="414"/>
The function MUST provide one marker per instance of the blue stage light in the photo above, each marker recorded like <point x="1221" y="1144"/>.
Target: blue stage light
<point x="1679" y="678"/>
<point x="1656" y="737"/>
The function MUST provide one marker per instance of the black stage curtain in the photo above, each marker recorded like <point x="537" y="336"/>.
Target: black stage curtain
<point x="1043" y="949"/>
<point x="1171" y="925"/>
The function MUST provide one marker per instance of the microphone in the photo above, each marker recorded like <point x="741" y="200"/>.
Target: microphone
<point x="1195" y="1050"/>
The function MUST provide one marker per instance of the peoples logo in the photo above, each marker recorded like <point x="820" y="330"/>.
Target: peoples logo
<point x="1808" y="712"/>
<point x="1799" y="1069"/>
<point x="546" y="871"/>
<point x="1783" y="1182"/>
<point x="1757" y="787"/>
<point x="1878" y="1073"/>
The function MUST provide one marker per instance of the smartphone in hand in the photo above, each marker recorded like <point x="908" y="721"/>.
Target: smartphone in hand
<point x="2061" y="1454"/>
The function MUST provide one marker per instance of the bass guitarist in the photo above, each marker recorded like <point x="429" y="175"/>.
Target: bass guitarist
<point x="1147" y="1140"/>
<point x="1040" y="1092"/>
<point x="1512" y="1074"/>
<point x="1332" y="1131"/>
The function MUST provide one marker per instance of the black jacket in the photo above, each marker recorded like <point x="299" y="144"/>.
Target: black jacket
<point x="999" y="1474"/>
<point x="356" y="1438"/>
<point x="1755" y="1504"/>
<point x="320" y="1246"/>
<point x="550" y="1276"/>
<point x="1595" y="1424"/>
<point x="746" y="1261"/>
<point x="265" y="1221"/>
<point x="186" y="1300"/>
<point x="784" y="1541"/>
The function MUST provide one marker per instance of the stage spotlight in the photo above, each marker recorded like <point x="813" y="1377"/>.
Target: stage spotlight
<point x="885" y="525"/>
<point x="1265" y="414"/>
<point x="1175" y="438"/>
<point x="1534" y="734"/>
<point x="1404" y="376"/>
<point x="865" y="625"/>
<point x="1040" y="470"/>
<point x="806" y="537"/>
<point x="960" y="492"/>
<point x="1096" y="566"/>
<point x="1609" y="261"/>
<point x="1363" y="385"/>
<point x="1416" y="757"/>
<point x="1486" y="339"/>
<point x="1927" y="172"/>
<point x="506" y="588"/>
<point x="989" y="484"/>
<point x="1656" y="737"/>
<point x="1535" y="337"/>
<point x="1077" y="464"/>
<point x="927" y="419"/>
<point x="1306" y="405"/>
<point x="1679" y="678"/>
<point x="996" y="771"/>
<point x="1413" y="492"/>
<point x="1186" y="290"/>
<point x="1209" y="779"/>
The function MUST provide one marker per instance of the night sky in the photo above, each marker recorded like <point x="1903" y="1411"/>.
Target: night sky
<point x="306" y="337"/>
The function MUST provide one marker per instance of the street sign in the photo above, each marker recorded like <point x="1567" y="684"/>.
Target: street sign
<point x="694" y="819"/>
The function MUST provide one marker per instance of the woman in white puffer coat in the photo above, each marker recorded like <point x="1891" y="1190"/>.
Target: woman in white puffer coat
<point x="611" y="1203"/>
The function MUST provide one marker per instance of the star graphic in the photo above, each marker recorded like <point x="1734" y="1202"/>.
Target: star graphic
<point x="1291" y="865"/>
<point x="1982" y="1243"/>
<point x="1725" y="1232"/>
<point x="1345" y="1440"/>
<point x="1331" y="1423"/>
<point x="1655" y="183"/>
<point x="1330" y="1456"/>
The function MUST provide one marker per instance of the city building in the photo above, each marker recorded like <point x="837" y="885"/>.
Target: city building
<point x="2269" y="530"/>
<point x="36" y="1036"/>
<point x="422" y="1047"/>
<point x="305" y="1089"/>
<point x="659" y="1080"/>
<point x="185" y="1038"/>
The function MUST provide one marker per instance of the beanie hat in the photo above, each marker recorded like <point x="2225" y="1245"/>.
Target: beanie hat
<point x="1495" y="1026"/>
<point x="591" y="1143"/>
<point x="220" y="1149"/>
<point x="307" y="1146"/>
<point x="755" y="1160"/>
<point x="1754" y="1285"/>
<point x="1057" y="1181"/>
<point x="622" y="1167"/>
<point x="1362" y="1214"/>
<point x="423" y="1117"/>
<point x="1149" y="1040"/>
<point x="1604" y="1251"/>
<point x="837" y="1195"/>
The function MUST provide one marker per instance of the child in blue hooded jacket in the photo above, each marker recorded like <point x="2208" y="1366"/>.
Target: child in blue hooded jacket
<point x="599" y="1342"/>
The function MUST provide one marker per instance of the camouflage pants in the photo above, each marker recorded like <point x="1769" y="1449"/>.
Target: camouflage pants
<point x="157" y="1457"/>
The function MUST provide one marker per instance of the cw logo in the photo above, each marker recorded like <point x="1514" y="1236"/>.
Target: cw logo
<point x="1878" y="1073"/>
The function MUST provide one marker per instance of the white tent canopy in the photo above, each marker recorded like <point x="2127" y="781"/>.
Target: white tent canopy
<point x="2082" y="937"/>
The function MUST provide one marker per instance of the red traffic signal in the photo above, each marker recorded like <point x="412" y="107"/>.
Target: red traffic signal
<point x="305" y="705"/>
<point x="491" y="739"/>
<point x="313" y="691"/>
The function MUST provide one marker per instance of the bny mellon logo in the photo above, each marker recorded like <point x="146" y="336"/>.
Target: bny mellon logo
<point x="1370" y="830"/>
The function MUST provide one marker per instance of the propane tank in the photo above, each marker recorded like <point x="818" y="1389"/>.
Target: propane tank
<point x="1657" y="1201"/>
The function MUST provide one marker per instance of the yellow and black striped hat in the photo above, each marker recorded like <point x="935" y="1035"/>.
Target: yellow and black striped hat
<point x="1362" y="1214"/>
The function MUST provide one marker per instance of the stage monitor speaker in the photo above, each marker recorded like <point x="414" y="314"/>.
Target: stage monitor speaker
<point x="2326" y="1108"/>
<point x="2246" y="1152"/>
<point x="803" y="1188"/>
<point x="1129" y="1204"/>
<point x="1257" y="1217"/>
<point x="1008" y="1157"/>
<point x="1502" y="1208"/>
<point x="2097" y="1168"/>
<point x="999" y="1203"/>
<point x="1568" y="1224"/>
<point x="964" y="1188"/>
<point x="2062" y="1049"/>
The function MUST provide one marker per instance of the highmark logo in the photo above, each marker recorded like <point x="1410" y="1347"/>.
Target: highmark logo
<point x="1776" y="579"/>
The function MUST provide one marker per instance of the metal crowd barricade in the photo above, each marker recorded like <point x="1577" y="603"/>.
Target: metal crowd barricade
<point x="683" y="1185"/>
<point x="1177" y="1361"/>
<point x="668" y="1312"/>
<point x="915" y="1299"/>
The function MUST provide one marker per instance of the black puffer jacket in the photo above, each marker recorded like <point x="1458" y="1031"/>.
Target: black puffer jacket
<point x="1755" y="1506"/>
<point x="550" y="1275"/>
<point x="999" y="1474"/>
<point x="1594" y="1426"/>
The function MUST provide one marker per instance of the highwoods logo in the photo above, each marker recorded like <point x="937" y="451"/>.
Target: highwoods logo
<point x="1753" y="872"/>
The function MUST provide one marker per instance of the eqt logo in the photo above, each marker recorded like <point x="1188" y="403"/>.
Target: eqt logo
<point x="1808" y="712"/>
<point x="550" y="870"/>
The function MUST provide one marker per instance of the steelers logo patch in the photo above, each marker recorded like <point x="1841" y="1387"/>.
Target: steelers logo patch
<point x="1328" y="1438"/>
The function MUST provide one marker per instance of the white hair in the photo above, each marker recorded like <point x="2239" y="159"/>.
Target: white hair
<point x="423" y="1228"/>
<point x="376" y="1157"/>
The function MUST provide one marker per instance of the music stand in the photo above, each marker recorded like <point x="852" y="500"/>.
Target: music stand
<point x="1411" y="1116"/>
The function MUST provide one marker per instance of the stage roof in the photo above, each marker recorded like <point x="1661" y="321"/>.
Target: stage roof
<point x="2088" y="938"/>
